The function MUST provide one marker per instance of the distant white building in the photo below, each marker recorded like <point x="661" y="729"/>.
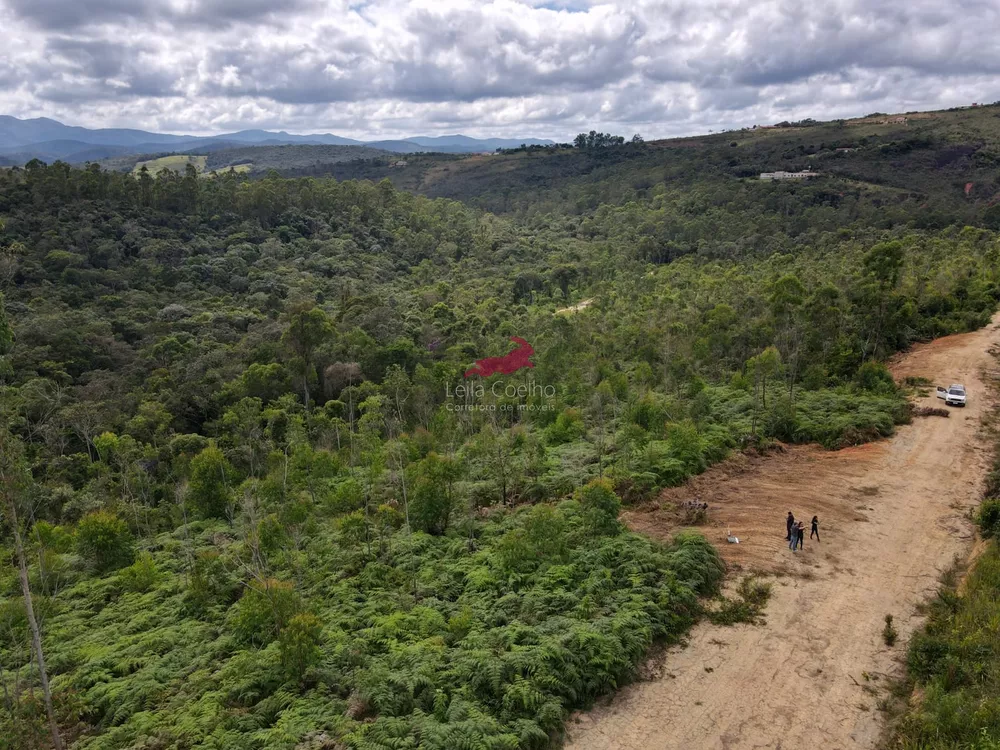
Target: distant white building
<point x="788" y="175"/>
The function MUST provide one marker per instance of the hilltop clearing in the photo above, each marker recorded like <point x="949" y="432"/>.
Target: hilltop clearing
<point x="253" y="159"/>
<point x="177" y="163"/>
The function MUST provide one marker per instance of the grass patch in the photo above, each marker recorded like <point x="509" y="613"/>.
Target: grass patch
<point x="174" y="163"/>
<point x="752" y="595"/>
<point x="956" y="660"/>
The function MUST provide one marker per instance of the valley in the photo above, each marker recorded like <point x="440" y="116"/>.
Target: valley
<point x="337" y="449"/>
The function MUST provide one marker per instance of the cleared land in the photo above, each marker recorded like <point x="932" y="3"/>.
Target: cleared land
<point x="582" y="305"/>
<point x="253" y="159"/>
<point x="258" y="159"/>
<point x="174" y="162"/>
<point x="894" y="516"/>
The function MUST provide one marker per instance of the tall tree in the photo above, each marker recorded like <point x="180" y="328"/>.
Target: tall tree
<point x="308" y="329"/>
<point x="884" y="265"/>
<point x="787" y="297"/>
<point x="14" y="480"/>
<point x="762" y="368"/>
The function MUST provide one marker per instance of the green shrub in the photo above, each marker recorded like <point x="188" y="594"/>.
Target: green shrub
<point x="989" y="517"/>
<point x="264" y="609"/>
<point x="992" y="488"/>
<point x="568" y="426"/>
<point x="685" y="446"/>
<point x="346" y="496"/>
<point x="875" y="377"/>
<point x="52" y="537"/>
<point x="355" y="528"/>
<point x="188" y="444"/>
<point x="209" y="488"/>
<point x="780" y="421"/>
<point x="601" y="507"/>
<point x="649" y="412"/>
<point x="925" y="655"/>
<point x="209" y="583"/>
<point x="516" y="553"/>
<point x="666" y="472"/>
<point x="104" y="540"/>
<point x="271" y="534"/>
<point x="889" y="632"/>
<point x="696" y="562"/>
<point x="431" y="494"/>
<point x="142" y="575"/>
<point x="299" y="642"/>
<point x="840" y="418"/>
<point x="635" y="487"/>
<point x="814" y="377"/>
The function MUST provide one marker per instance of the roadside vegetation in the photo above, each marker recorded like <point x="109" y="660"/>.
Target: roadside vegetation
<point x="953" y="663"/>
<point x="257" y="506"/>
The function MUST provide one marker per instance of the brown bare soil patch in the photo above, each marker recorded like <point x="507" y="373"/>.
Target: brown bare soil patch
<point x="894" y="516"/>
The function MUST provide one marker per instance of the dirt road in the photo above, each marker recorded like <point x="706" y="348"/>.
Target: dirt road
<point x="894" y="515"/>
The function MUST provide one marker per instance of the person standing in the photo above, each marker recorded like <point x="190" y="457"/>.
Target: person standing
<point x="793" y="537"/>
<point x="815" y="528"/>
<point x="800" y="534"/>
<point x="789" y="523"/>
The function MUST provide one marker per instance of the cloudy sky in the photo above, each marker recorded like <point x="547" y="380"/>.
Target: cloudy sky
<point x="389" y="68"/>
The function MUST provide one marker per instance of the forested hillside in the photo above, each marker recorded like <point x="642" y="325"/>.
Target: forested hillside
<point x="941" y="166"/>
<point x="261" y="506"/>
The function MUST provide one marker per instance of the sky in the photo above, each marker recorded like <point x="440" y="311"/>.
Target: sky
<point x="395" y="68"/>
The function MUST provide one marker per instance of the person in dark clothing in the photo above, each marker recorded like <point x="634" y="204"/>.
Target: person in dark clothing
<point x="800" y="534"/>
<point x="815" y="528"/>
<point x="789" y="522"/>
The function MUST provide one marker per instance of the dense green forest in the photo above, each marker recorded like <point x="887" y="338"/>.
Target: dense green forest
<point x="261" y="506"/>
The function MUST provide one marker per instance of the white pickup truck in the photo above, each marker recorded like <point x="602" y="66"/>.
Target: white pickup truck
<point x="953" y="395"/>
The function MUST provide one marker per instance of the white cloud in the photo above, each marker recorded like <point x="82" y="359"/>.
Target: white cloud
<point x="390" y="68"/>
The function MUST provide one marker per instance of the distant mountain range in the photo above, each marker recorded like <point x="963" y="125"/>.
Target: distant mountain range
<point x="50" y="140"/>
